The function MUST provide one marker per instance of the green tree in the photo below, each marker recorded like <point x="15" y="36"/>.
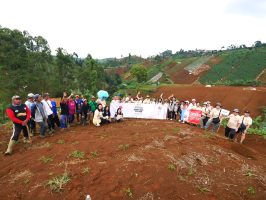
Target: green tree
<point x="140" y="73"/>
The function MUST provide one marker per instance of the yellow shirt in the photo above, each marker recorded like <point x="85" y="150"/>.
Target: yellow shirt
<point x="234" y="120"/>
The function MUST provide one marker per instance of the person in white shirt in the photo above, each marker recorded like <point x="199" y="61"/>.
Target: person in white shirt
<point x="98" y="116"/>
<point x="119" y="115"/>
<point x="129" y="99"/>
<point x="49" y="112"/>
<point x="214" y="119"/>
<point x="233" y="124"/>
<point x="246" y="122"/>
<point x="31" y="123"/>
<point x="147" y="100"/>
<point x="192" y="105"/>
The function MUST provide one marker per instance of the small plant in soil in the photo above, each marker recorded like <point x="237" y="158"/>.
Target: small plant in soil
<point x="77" y="154"/>
<point x="203" y="189"/>
<point x="57" y="183"/>
<point x="250" y="173"/>
<point x="251" y="190"/>
<point x="129" y="192"/>
<point x="61" y="142"/>
<point x="94" y="154"/>
<point x="85" y="170"/>
<point x="176" y="130"/>
<point x="26" y="181"/>
<point x="171" y="167"/>
<point x="123" y="147"/>
<point x="46" y="160"/>
<point x="190" y="171"/>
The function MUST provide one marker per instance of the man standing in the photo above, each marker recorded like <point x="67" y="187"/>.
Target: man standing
<point x="78" y="103"/>
<point x="38" y="114"/>
<point x="31" y="123"/>
<point x="49" y="112"/>
<point x="93" y="104"/>
<point x="19" y="114"/>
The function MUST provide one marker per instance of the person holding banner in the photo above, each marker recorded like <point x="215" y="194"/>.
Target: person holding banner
<point x="233" y="124"/>
<point x="215" y="116"/>
<point x="246" y="122"/>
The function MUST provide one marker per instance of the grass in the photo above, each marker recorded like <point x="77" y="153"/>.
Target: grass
<point x="57" y="183"/>
<point x="190" y="171"/>
<point x="129" y="192"/>
<point x="176" y="130"/>
<point x="46" y="160"/>
<point x="61" y="142"/>
<point x="203" y="189"/>
<point x="251" y="190"/>
<point x="171" y="167"/>
<point x="77" y="154"/>
<point x="249" y="173"/>
<point x="123" y="147"/>
<point x="94" y="154"/>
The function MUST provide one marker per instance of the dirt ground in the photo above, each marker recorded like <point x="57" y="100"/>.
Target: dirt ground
<point x="135" y="159"/>
<point x="231" y="97"/>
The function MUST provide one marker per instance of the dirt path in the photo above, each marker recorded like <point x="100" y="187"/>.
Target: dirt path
<point x="147" y="159"/>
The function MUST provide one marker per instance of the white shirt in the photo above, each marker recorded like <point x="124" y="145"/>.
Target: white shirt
<point x="47" y="107"/>
<point x="247" y="120"/>
<point x="234" y="120"/>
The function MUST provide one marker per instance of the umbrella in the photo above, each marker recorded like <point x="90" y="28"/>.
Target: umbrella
<point x="102" y="94"/>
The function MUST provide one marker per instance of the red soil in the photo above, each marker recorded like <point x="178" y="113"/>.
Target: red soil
<point x="230" y="97"/>
<point x="203" y="166"/>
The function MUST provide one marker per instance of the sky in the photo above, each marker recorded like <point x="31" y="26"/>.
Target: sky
<point x="115" y="28"/>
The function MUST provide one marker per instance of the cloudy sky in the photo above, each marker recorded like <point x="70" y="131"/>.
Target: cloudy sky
<point x="111" y="28"/>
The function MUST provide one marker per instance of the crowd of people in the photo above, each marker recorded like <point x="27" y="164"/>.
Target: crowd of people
<point x="43" y="111"/>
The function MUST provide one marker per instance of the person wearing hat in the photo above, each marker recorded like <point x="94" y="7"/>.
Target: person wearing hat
<point x="31" y="123"/>
<point x="20" y="115"/>
<point x="246" y="122"/>
<point x="38" y="114"/>
<point x="147" y="100"/>
<point x="233" y="124"/>
<point x="215" y="118"/>
<point x="193" y="105"/>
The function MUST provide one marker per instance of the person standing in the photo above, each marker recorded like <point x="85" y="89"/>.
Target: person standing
<point x="64" y="113"/>
<point x="78" y="102"/>
<point x="232" y="125"/>
<point x="71" y="110"/>
<point x="38" y="114"/>
<point x="54" y="109"/>
<point x="19" y="114"/>
<point x="246" y="122"/>
<point x="215" y="118"/>
<point x="31" y="123"/>
<point x="205" y="115"/>
<point x="85" y="112"/>
<point x="49" y="112"/>
<point x="93" y="104"/>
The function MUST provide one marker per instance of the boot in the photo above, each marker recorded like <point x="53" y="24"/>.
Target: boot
<point x="10" y="147"/>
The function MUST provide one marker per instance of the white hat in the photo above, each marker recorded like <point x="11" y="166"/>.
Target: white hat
<point x="193" y="100"/>
<point x="30" y="95"/>
<point x="16" y="97"/>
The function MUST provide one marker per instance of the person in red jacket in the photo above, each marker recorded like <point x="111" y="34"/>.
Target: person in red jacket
<point x="20" y="115"/>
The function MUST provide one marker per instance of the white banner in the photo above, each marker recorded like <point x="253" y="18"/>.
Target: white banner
<point x="139" y="110"/>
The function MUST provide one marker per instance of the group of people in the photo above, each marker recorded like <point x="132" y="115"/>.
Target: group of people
<point x="211" y="116"/>
<point x="41" y="110"/>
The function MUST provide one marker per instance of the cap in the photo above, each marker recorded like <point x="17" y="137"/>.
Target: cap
<point x="236" y="110"/>
<point x="85" y="100"/>
<point x="205" y="103"/>
<point x="30" y="95"/>
<point x="147" y="96"/>
<point x="45" y="94"/>
<point x="93" y="97"/>
<point x="77" y="95"/>
<point x="208" y="102"/>
<point x="36" y="96"/>
<point x="15" y="97"/>
<point x="186" y="101"/>
<point x="218" y="104"/>
<point x="247" y="111"/>
<point x="193" y="100"/>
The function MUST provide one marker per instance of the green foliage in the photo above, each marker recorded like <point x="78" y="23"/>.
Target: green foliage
<point x="123" y="147"/>
<point x="140" y="73"/>
<point x="251" y="190"/>
<point x="129" y="192"/>
<point x="61" y="141"/>
<point x="259" y="125"/>
<point x="46" y="160"/>
<point x="56" y="184"/>
<point x="94" y="154"/>
<point x="171" y="167"/>
<point x="77" y="154"/>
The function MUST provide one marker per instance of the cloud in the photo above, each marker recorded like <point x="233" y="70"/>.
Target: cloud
<point x="253" y="8"/>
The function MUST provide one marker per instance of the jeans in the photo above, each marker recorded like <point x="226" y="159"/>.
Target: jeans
<point x="214" y="126"/>
<point x="42" y="128"/>
<point x="50" y="122"/>
<point x="63" y="121"/>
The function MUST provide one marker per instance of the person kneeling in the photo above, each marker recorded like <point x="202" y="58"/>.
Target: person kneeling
<point x="106" y="115"/>
<point x="98" y="116"/>
<point x="119" y="115"/>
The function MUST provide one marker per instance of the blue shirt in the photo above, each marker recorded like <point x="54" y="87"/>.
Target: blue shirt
<point x="54" y="107"/>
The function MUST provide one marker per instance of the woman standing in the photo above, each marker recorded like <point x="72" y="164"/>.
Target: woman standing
<point x="246" y="122"/>
<point x="72" y="110"/>
<point x="98" y="116"/>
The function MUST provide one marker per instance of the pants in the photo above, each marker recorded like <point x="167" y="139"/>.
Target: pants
<point x="70" y="118"/>
<point x="17" y="128"/>
<point x="56" y="121"/>
<point x="42" y="128"/>
<point x="203" y="121"/>
<point x="63" y="121"/>
<point x="32" y="125"/>
<point x="78" y="113"/>
<point x="214" y="126"/>
<point x="84" y="118"/>
<point x="230" y="132"/>
<point x="50" y="122"/>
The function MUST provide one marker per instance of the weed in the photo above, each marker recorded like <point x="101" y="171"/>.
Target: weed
<point x="129" y="192"/>
<point x="57" y="183"/>
<point x="190" y="171"/>
<point x="26" y="181"/>
<point x="61" y="142"/>
<point x="181" y="178"/>
<point x="203" y="189"/>
<point x="251" y="190"/>
<point x="123" y="147"/>
<point x="77" y="154"/>
<point x="46" y="160"/>
<point x="250" y="173"/>
<point x="171" y="167"/>
<point x="94" y="154"/>
<point x="176" y="130"/>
